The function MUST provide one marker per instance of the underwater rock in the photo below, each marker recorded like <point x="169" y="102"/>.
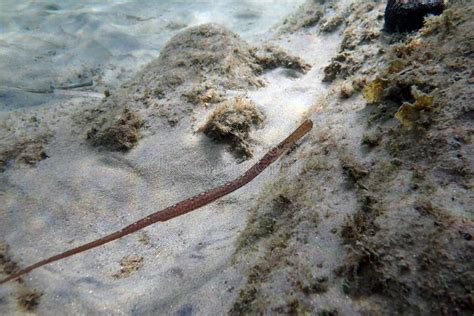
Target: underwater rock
<point x="203" y="93"/>
<point x="408" y="15"/>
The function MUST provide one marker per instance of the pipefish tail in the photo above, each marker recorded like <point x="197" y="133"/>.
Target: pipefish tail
<point x="182" y="207"/>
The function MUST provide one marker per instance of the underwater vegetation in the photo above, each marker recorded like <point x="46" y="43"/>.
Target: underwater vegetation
<point x="231" y="122"/>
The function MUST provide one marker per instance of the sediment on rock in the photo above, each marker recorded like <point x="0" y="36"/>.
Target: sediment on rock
<point x="286" y="270"/>
<point x="342" y="66"/>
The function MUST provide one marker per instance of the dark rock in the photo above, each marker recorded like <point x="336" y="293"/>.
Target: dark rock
<point x="408" y="15"/>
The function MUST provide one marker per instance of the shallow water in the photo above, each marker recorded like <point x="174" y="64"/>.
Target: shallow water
<point x="45" y="45"/>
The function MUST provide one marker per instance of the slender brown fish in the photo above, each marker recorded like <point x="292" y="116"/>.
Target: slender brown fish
<point x="182" y="207"/>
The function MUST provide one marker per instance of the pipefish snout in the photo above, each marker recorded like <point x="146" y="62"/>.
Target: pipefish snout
<point x="184" y="206"/>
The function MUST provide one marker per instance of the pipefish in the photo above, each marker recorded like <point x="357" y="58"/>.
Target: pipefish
<point x="182" y="207"/>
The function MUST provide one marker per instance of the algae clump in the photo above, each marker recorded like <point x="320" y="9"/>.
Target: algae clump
<point x="409" y="113"/>
<point x="231" y="122"/>
<point x="373" y="91"/>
